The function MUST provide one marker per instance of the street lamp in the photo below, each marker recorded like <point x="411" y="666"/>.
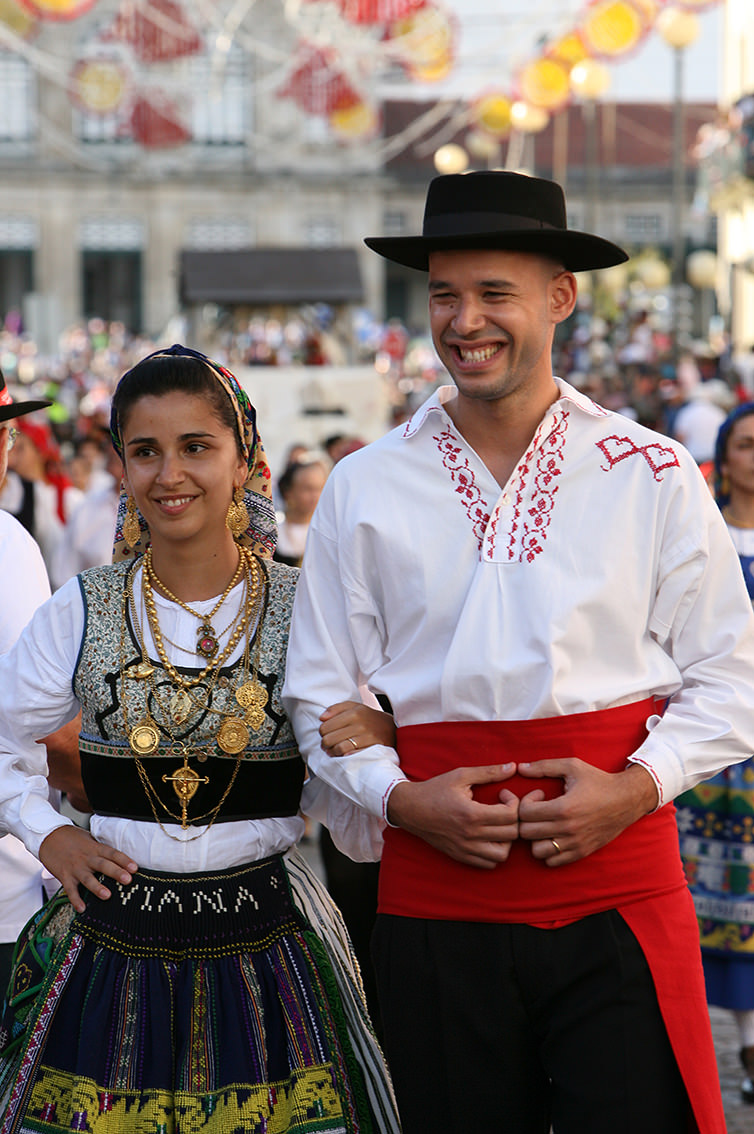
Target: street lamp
<point x="589" y="80"/>
<point x="679" y="28"/>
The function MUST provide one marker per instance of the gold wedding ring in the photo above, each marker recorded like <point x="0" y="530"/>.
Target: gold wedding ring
<point x="353" y="742"/>
<point x="556" y="845"/>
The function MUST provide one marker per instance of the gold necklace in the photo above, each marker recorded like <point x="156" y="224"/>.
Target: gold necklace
<point x="221" y="634"/>
<point x="729" y="518"/>
<point x="250" y="566"/>
<point x="207" y="640"/>
<point x="185" y="780"/>
<point x="251" y="696"/>
<point x="181" y="705"/>
<point x="233" y="734"/>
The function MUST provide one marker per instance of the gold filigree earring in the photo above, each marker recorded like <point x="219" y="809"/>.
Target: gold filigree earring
<point x="237" y="519"/>
<point x="131" y="525"/>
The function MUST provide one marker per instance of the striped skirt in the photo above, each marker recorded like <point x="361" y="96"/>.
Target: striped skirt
<point x="220" y="1003"/>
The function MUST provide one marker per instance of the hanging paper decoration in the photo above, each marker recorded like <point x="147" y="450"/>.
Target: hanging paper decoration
<point x="378" y="11"/>
<point x="58" y="9"/>
<point x="545" y="83"/>
<point x="568" y="50"/>
<point x="19" y="19"/>
<point x="318" y="84"/>
<point x="156" y="30"/>
<point x="527" y="118"/>
<point x="647" y="10"/>
<point x="424" y="42"/>
<point x="612" y="27"/>
<point x="99" y="85"/>
<point x="492" y="113"/>
<point x="156" y="122"/>
<point x="361" y="120"/>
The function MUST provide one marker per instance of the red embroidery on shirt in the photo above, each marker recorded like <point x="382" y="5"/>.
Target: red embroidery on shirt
<point x="658" y="457"/>
<point x="532" y="520"/>
<point x="462" y="476"/>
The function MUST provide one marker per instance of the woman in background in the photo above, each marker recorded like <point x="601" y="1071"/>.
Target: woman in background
<point x="716" y="819"/>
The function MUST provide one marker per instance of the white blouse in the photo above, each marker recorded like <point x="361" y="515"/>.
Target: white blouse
<point x="600" y="574"/>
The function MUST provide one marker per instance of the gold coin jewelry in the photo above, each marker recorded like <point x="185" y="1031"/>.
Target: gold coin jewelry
<point x="144" y="739"/>
<point x="232" y="735"/>
<point x="252" y="697"/>
<point x="180" y="706"/>
<point x="207" y="639"/>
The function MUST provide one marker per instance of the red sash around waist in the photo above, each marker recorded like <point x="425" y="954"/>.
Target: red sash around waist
<point x="639" y="873"/>
<point x="418" y="881"/>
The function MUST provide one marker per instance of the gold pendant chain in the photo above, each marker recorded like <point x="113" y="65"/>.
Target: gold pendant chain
<point x="208" y="641"/>
<point x="154" y="578"/>
<point x="233" y="735"/>
<point x="253" y="569"/>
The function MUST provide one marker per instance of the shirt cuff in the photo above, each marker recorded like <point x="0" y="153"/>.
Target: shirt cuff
<point x="37" y="819"/>
<point x="386" y="800"/>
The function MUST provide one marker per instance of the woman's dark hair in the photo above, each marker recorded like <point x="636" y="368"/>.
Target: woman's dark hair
<point x="288" y="476"/>
<point x="166" y="374"/>
<point x="746" y="409"/>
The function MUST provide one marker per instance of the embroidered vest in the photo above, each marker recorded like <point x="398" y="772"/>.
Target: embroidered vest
<point x="270" y="775"/>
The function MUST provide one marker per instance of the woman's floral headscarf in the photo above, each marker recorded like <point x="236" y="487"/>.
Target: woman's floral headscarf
<point x="261" y="534"/>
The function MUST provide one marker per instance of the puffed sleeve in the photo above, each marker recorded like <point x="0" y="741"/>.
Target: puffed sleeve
<point x="37" y="699"/>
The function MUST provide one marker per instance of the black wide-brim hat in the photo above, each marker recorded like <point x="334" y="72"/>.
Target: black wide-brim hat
<point x="10" y="409"/>
<point x="498" y="209"/>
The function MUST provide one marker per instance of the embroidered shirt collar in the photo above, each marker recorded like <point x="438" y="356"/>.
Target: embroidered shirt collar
<point x="436" y="404"/>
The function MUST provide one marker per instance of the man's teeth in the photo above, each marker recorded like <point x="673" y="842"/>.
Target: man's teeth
<point x="479" y="354"/>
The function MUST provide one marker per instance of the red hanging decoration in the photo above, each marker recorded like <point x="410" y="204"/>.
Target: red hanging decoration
<point x="157" y="30"/>
<point x="57" y="9"/>
<point x="378" y="11"/>
<point x="317" y="85"/>
<point x="155" y="122"/>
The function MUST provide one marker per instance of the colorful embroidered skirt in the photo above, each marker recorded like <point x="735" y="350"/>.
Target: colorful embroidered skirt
<point x="716" y="829"/>
<point x="214" y="1003"/>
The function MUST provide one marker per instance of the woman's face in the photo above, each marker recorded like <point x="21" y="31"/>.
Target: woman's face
<point x="738" y="465"/>
<point x="304" y="493"/>
<point x="182" y="465"/>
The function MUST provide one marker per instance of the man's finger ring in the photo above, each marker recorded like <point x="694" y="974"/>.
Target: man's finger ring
<point x="556" y="845"/>
<point x="353" y="742"/>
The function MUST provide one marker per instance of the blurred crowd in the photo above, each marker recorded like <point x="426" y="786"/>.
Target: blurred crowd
<point x="63" y="478"/>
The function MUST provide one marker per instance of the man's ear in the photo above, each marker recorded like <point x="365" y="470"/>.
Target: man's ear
<point x="563" y="292"/>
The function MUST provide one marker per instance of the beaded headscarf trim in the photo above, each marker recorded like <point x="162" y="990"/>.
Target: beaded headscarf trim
<point x="261" y="534"/>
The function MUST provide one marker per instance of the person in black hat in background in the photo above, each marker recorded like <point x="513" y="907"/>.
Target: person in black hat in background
<point x="546" y="594"/>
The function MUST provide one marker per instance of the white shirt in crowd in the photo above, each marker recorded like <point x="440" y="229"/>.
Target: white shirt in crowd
<point x="48" y="528"/>
<point x="602" y="573"/>
<point x="87" y="539"/>
<point x="25" y="587"/>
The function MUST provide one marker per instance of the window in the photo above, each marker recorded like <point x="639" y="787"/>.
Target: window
<point x="219" y="83"/>
<point x="393" y="223"/>
<point x="111" y="233"/>
<point x="17" y="92"/>
<point x="642" y="228"/>
<point x="217" y="234"/>
<point x="322" y="232"/>
<point x="208" y="94"/>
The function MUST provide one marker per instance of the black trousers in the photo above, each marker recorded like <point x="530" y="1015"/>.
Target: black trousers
<point x="507" y="1029"/>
